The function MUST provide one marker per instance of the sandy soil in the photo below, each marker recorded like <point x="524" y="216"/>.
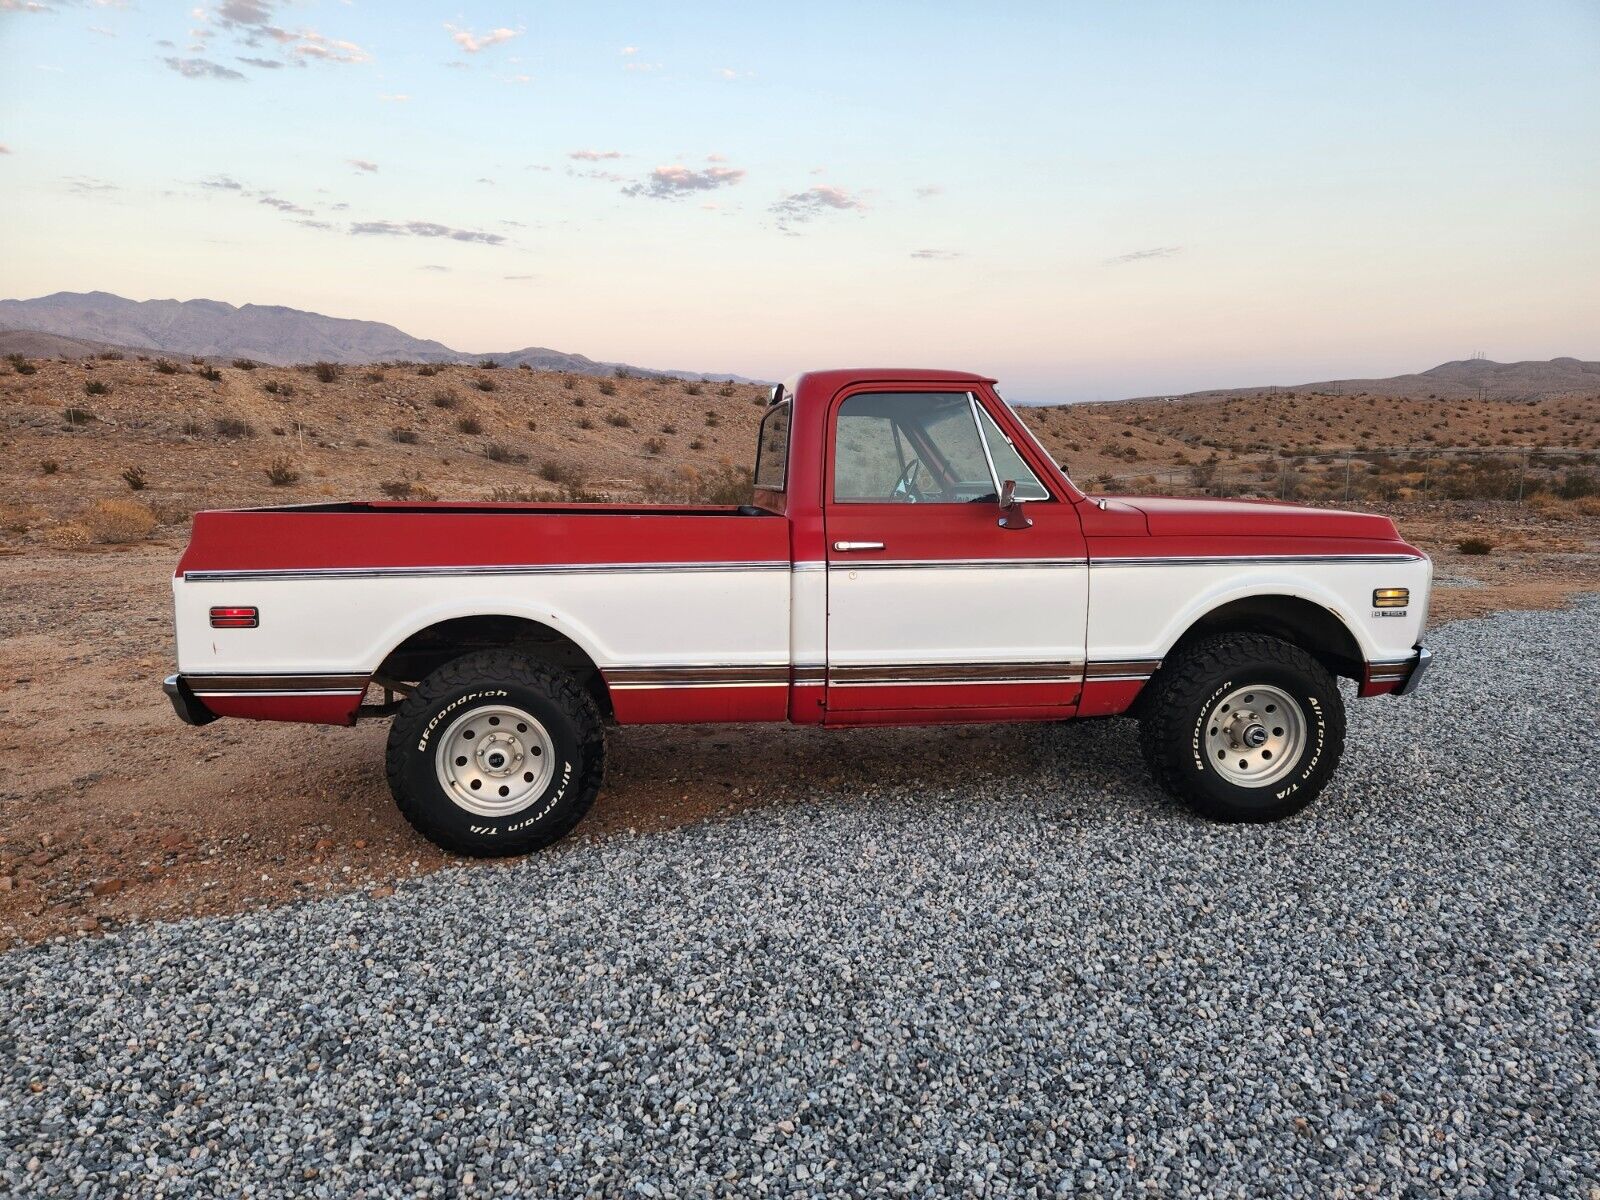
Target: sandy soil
<point x="112" y="811"/>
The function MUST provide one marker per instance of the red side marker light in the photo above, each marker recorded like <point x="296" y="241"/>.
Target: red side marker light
<point x="235" y="618"/>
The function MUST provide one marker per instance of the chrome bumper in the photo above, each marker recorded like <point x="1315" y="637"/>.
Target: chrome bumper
<point x="1418" y="667"/>
<point x="189" y="707"/>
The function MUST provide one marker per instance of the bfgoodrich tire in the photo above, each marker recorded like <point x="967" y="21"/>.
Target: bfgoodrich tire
<point x="496" y="754"/>
<point x="1243" y="727"/>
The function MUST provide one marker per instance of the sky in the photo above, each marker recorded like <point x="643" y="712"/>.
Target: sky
<point x="1087" y="200"/>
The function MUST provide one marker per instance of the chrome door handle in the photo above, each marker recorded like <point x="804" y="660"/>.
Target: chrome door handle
<point x="846" y="547"/>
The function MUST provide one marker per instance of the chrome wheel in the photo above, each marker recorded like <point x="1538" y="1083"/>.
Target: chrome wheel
<point x="1255" y="735"/>
<point x="495" y="761"/>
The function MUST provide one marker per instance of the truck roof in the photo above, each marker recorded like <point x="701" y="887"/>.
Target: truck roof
<point x="834" y="378"/>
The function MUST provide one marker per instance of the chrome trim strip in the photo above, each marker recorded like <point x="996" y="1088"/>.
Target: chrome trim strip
<point x="699" y="675"/>
<point x="281" y="685"/>
<point x="1424" y="661"/>
<point x="952" y="564"/>
<point x="215" y="695"/>
<point x="1125" y="669"/>
<point x="502" y="569"/>
<point x="1204" y="560"/>
<point x="877" y="674"/>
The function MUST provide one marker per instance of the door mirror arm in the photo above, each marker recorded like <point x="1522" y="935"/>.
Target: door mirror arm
<point x="1011" y="514"/>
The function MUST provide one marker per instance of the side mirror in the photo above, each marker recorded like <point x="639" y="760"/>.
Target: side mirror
<point x="1011" y="514"/>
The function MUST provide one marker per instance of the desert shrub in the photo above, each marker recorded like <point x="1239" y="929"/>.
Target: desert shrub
<point x="279" y="388"/>
<point x="21" y="365"/>
<point x="525" y="366"/>
<point x="134" y="477"/>
<point x="669" y="429"/>
<point x="95" y="387"/>
<point x="579" y="402"/>
<point x="488" y="364"/>
<point x="406" y="437"/>
<point x="533" y="425"/>
<point x="1474" y="545"/>
<point x="110" y="356"/>
<point x="325" y="372"/>
<point x="512" y="495"/>
<point x="373" y="377"/>
<point x="427" y="369"/>
<point x="114" y="522"/>
<point x="484" y="384"/>
<point x="49" y="467"/>
<point x="73" y="415"/>
<point x="469" y="424"/>
<point x="165" y="366"/>
<point x="245" y="364"/>
<point x="191" y="427"/>
<point x="607" y="388"/>
<point x="690" y="388"/>
<point x="233" y="427"/>
<point x="281" y="472"/>
<point x="696" y="444"/>
<point x="554" y="470"/>
<point x="1576" y="484"/>
<point x="568" y="382"/>
<point x="211" y="374"/>
<point x="725" y="390"/>
<point x="446" y="398"/>
<point x="622" y="373"/>
<point x="655" y="445"/>
<point x="396" y="489"/>
<point x="618" y="420"/>
<point x="501" y="453"/>
<point x="585" y="423"/>
<point x="726" y="484"/>
<point x="712" y="418"/>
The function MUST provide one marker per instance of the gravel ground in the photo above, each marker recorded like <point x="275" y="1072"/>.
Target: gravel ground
<point x="1068" y="986"/>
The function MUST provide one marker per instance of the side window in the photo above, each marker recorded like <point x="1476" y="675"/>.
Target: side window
<point x="1008" y="463"/>
<point x="772" y="449"/>
<point x="909" y="448"/>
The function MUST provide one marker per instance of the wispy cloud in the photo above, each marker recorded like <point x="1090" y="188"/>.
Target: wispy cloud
<point x="800" y="207"/>
<point x="432" y="267"/>
<point x="516" y="277"/>
<point x="730" y="74"/>
<point x="626" y="50"/>
<point x="1141" y="255"/>
<point x="472" y="43"/>
<point x="593" y="155"/>
<point x="670" y="183"/>
<point x="32" y="6"/>
<point x="88" y="185"/>
<point x="425" y="229"/>
<point x="928" y="190"/>
<point x="222" y="183"/>
<point x="201" y="68"/>
<point x="285" y="206"/>
<point x="363" y="164"/>
<point x="266" y="64"/>
<point x="4" y="149"/>
<point x="251" y="22"/>
<point x="936" y="255"/>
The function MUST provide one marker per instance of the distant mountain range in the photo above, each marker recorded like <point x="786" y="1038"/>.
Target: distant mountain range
<point x="1466" y="378"/>
<point x="92" y="321"/>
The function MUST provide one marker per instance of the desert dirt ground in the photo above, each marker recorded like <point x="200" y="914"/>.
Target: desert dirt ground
<point x="111" y="811"/>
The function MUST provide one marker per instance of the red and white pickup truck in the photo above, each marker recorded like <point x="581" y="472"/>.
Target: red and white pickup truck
<point x="912" y="556"/>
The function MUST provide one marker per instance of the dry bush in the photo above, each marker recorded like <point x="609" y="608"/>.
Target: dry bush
<point x="114" y="522"/>
<point x="501" y="453"/>
<point x="406" y="437"/>
<point x="21" y="365"/>
<point x="406" y="489"/>
<point x="210" y="374"/>
<point x="484" y="384"/>
<point x="585" y="423"/>
<point x="191" y="427"/>
<point x="19" y="518"/>
<point x="427" y="369"/>
<point x="607" y="388"/>
<point x="281" y="472"/>
<point x="325" y="372"/>
<point x="96" y="387"/>
<point x="233" y="427"/>
<point x="655" y="445"/>
<point x="568" y="382"/>
<point x="135" y="478"/>
<point x="73" y="415"/>
<point x="446" y="398"/>
<point x="725" y="390"/>
<point x="373" y="377"/>
<point x="469" y="424"/>
<point x="488" y="364"/>
<point x="713" y="418"/>
<point x="727" y="483"/>
<point x="556" y="470"/>
<point x="1474" y="545"/>
<point x="279" y="388"/>
<point x="245" y="364"/>
<point x="618" y="420"/>
<point x="49" y="466"/>
<point x="691" y="388"/>
<point x="165" y="366"/>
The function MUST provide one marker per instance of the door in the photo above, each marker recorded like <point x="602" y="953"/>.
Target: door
<point x="936" y="611"/>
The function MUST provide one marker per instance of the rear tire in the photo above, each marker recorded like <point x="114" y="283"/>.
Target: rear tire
<point x="1243" y="727"/>
<point x="496" y="754"/>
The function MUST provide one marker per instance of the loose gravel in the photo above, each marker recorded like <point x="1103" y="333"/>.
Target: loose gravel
<point x="1068" y="987"/>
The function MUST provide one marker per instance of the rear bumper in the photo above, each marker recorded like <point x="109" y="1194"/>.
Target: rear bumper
<point x="190" y="709"/>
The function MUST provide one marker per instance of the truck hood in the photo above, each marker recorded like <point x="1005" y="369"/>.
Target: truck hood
<point x="1185" y="518"/>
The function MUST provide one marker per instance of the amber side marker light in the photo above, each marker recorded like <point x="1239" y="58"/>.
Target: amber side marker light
<point x="235" y="618"/>
<point x="1391" y="597"/>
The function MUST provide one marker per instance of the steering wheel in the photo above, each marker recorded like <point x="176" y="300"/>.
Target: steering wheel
<point x="906" y="490"/>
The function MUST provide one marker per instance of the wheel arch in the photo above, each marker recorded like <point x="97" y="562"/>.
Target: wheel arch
<point x="1313" y="627"/>
<point x="428" y="648"/>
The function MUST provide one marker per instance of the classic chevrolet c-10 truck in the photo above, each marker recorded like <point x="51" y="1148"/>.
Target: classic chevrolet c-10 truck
<point x="911" y="555"/>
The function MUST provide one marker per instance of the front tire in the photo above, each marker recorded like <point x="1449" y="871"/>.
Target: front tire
<point x="1243" y="727"/>
<point x="496" y="754"/>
